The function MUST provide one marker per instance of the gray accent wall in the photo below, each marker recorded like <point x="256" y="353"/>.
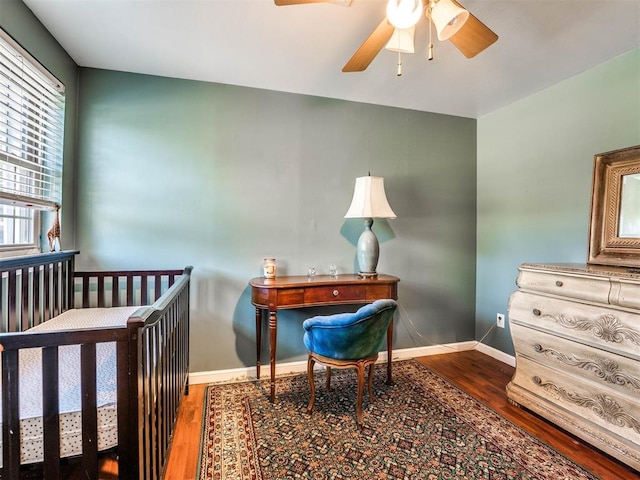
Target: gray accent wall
<point x="161" y="173"/>
<point x="175" y="172"/>
<point x="535" y="164"/>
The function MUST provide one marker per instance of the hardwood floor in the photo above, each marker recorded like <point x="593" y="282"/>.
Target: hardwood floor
<point x="480" y="375"/>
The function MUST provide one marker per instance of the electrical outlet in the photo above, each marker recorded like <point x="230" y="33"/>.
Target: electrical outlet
<point x="500" y="320"/>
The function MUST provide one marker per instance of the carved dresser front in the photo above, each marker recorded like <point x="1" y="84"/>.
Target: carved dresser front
<point x="576" y="334"/>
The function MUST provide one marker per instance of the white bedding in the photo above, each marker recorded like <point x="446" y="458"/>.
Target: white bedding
<point x="69" y="386"/>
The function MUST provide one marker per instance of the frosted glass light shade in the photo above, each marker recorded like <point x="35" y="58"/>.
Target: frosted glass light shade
<point x="402" y="40"/>
<point x="448" y="18"/>
<point x="404" y="13"/>
<point x="369" y="199"/>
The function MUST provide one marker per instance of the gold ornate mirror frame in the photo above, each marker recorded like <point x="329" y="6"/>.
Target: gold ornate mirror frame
<point x="606" y="245"/>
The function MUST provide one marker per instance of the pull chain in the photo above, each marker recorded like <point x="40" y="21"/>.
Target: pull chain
<point x="430" y="56"/>
<point x="399" y="73"/>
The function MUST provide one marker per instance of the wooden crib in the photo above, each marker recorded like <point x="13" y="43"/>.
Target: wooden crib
<point x="150" y="353"/>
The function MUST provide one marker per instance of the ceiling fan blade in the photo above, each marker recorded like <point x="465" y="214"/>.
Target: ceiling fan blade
<point x="283" y="3"/>
<point x="370" y="48"/>
<point x="473" y="37"/>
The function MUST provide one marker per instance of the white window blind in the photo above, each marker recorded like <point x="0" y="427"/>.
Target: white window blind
<point x="31" y="129"/>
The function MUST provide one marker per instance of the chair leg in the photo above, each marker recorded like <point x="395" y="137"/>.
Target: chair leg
<point x="371" y="397"/>
<point x="312" y="385"/>
<point x="360" y="368"/>
<point x="328" y="379"/>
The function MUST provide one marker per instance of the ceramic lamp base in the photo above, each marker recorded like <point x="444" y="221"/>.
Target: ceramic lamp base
<point x="368" y="250"/>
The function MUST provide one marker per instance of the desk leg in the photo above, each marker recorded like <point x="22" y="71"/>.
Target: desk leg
<point x="273" y="330"/>
<point x="258" y="340"/>
<point x="389" y="352"/>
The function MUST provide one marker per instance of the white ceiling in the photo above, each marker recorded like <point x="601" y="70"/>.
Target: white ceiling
<point x="302" y="48"/>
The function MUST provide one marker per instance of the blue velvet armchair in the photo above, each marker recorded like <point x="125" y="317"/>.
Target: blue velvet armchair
<point x="347" y="340"/>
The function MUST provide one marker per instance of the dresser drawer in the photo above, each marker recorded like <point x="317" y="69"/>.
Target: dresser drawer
<point x="339" y="293"/>
<point x="625" y="293"/>
<point x="573" y="396"/>
<point x="619" y="373"/>
<point x="582" y="287"/>
<point x="607" y="328"/>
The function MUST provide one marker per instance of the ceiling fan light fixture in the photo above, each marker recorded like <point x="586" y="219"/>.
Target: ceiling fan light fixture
<point x="404" y="14"/>
<point x="402" y="40"/>
<point x="448" y="18"/>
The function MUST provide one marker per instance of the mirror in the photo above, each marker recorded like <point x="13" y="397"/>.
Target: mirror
<point x="614" y="232"/>
<point x="630" y="207"/>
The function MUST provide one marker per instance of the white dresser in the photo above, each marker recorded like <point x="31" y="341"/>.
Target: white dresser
<point x="576" y="334"/>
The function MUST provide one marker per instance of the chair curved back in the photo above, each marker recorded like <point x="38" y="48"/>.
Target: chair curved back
<point x="349" y="336"/>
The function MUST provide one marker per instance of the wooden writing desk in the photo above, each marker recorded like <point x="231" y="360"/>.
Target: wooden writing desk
<point x="271" y="294"/>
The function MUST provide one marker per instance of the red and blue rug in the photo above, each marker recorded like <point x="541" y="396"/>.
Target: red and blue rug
<point x="421" y="428"/>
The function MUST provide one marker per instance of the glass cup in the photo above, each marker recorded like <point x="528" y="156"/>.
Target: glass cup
<point x="333" y="270"/>
<point x="311" y="272"/>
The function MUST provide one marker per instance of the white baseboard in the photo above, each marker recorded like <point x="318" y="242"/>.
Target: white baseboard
<point x="497" y="354"/>
<point x="249" y="373"/>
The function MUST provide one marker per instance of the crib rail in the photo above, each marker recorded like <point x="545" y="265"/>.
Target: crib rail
<point x="50" y="343"/>
<point x="141" y="287"/>
<point x="152" y="357"/>
<point x="34" y="289"/>
<point x="162" y="377"/>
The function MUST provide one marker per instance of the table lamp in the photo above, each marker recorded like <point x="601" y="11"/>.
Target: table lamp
<point x="369" y="202"/>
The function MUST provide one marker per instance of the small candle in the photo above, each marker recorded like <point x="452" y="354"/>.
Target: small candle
<point x="269" y="267"/>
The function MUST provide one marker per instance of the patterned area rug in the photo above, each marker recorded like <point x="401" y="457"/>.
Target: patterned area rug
<point x="423" y="427"/>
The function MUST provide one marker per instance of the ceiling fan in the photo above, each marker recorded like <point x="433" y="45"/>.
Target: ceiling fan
<point x="395" y="32"/>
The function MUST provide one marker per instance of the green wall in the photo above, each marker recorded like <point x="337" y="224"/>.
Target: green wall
<point x="162" y="172"/>
<point x="18" y="21"/>
<point x="535" y="161"/>
<point x="174" y="172"/>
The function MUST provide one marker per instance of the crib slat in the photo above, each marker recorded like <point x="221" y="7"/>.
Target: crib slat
<point x="158" y="284"/>
<point x="11" y="326"/>
<point x="56" y="289"/>
<point x="153" y="397"/>
<point x="86" y="284"/>
<point x="10" y="415"/>
<point x="143" y="290"/>
<point x="101" y="292"/>
<point x="37" y="311"/>
<point x="127" y="434"/>
<point x="89" y="411"/>
<point x="130" y="293"/>
<point x="67" y="283"/>
<point x="47" y="292"/>
<point x="50" y="416"/>
<point x="115" y="291"/>
<point x="24" y="299"/>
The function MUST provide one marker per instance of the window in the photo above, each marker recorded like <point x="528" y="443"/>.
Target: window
<point x="31" y="135"/>
<point x="17" y="226"/>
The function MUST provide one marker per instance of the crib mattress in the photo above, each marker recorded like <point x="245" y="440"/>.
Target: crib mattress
<point x="30" y="391"/>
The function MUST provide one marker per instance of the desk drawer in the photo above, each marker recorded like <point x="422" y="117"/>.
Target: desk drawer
<point x="331" y="294"/>
<point x="376" y="292"/>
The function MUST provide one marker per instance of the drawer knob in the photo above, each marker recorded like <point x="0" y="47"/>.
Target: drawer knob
<point x="336" y="293"/>
<point x="537" y="312"/>
<point x="537" y="347"/>
<point x="558" y="283"/>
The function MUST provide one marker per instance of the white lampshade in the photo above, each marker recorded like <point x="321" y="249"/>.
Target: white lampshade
<point x="402" y="40"/>
<point x="369" y="199"/>
<point x="448" y="18"/>
<point x="404" y="13"/>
